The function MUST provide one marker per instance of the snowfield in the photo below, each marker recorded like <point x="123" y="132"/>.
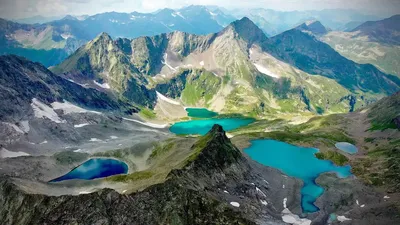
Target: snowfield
<point x="265" y="71"/>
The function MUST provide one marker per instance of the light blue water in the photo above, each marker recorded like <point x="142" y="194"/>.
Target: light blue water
<point x="346" y="147"/>
<point x="203" y="126"/>
<point x="299" y="162"/>
<point x="95" y="168"/>
<point x="200" y="113"/>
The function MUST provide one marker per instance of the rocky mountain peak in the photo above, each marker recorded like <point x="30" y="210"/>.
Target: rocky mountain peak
<point x="103" y="37"/>
<point x="248" y="31"/>
<point x="214" y="151"/>
<point x="313" y="26"/>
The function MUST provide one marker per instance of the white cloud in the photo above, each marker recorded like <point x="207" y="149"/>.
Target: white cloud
<point x="27" y="8"/>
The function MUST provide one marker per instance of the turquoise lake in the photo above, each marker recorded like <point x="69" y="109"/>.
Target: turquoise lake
<point x="346" y="147"/>
<point x="299" y="162"/>
<point x="201" y="127"/>
<point x="95" y="168"/>
<point x="200" y="113"/>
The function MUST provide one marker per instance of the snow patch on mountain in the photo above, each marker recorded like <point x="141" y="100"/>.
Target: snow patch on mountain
<point x="164" y="98"/>
<point x="68" y="107"/>
<point x="4" y="153"/>
<point x="153" y="125"/>
<point x="265" y="71"/>
<point x="165" y="62"/>
<point x="42" y="110"/>
<point x="80" y="125"/>
<point x="103" y="85"/>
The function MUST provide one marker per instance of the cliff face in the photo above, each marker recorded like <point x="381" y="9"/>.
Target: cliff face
<point x="168" y="203"/>
<point x="214" y="179"/>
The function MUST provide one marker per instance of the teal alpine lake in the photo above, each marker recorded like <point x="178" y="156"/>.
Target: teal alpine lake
<point x="346" y="147"/>
<point x="299" y="162"/>
<point x="201" y="127"/>
<point x="95" y="168"/>
<point x="200" y="113"/>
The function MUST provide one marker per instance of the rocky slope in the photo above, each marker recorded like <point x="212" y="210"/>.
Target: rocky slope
<point x="43" y="113"/>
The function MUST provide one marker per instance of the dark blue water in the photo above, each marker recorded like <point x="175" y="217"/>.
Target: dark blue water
<point x="299" y="162"/>
<point x="201" y="127"/>
<point x="200" y="113"/>
<point x="95" y="168"/>
<point x="346" y="147"/>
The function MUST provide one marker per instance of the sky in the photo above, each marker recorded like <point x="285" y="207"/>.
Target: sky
<point x="16" y="9"/>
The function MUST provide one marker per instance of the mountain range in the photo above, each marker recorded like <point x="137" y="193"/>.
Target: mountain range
<point x="246" y="71"/>
<point x="53" y="40"/>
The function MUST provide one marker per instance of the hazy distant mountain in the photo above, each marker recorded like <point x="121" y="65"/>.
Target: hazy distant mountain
<point x="385" y="31"/>
<point x="52" y="42"/>
<point x="274" y="22"/>
<point x="350" y="26"/>
<point x="313" y="26"/>
<point x="37" y="19"/>
<point x="376" y="42"/>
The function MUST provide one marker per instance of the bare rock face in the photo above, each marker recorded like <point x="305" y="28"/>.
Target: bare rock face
<point x="397" y="122"/>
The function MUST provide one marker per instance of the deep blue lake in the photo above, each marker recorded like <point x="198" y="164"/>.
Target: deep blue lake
<point x="299" y="162"/>
<point x="200" y="113"/>
<point x="95" y="168"/>
<point x="346" y="147"/>
<point x="201" y="127"/>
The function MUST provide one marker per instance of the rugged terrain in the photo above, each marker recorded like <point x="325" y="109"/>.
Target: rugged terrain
<point x="242" y="70"/>
<point x="42" y="113"/>
<point x="213" y="184"/>
<point x="51" y="42"/>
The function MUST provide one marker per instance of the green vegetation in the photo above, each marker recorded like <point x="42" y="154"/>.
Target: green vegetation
<point x="201" y="86"/>
<point x="335" y="157"/>
<point x="381" y="166"/>
<point x="69" y="157"/>
<point x="383" y="113"/>
<point x="198" y="147"/>
<point x="162" y="148"/>
<point x="382" y="126"/>
<point x="136" y="176"/>
<point x="147" y="113"/>
<point x="369" y="139"/>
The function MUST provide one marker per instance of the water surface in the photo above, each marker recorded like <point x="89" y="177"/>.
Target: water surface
<point x="299" y="162"/>
<point x="346" y="147"/>
<point x="200" y="113"/>
<point x="201" y="127"/>
<point x="95" y="168"/>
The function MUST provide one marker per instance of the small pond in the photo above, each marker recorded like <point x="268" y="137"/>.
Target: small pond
<point x="346" y="147"/>
<point x="95" y="168"/>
